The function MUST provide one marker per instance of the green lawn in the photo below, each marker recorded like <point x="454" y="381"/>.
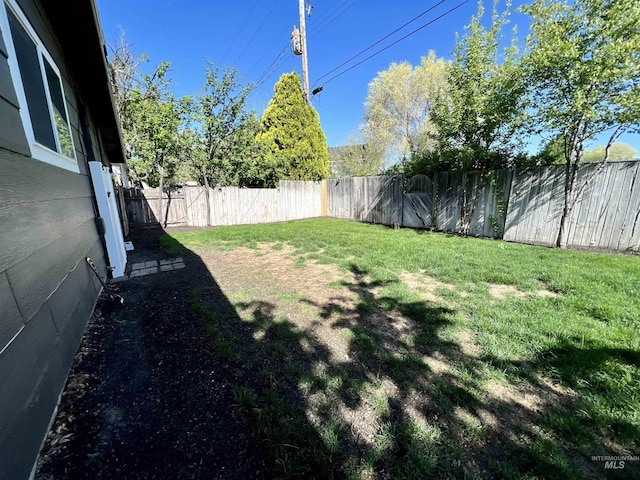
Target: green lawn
<point x="507" y="360"/>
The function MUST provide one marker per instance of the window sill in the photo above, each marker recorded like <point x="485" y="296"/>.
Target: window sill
<point x="38" y="152"/>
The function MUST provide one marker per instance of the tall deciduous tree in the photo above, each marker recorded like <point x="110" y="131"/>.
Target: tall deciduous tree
<point x="584" y="65"/>
<point x="291" y="131"/>
<point x="356" y="159"/>
<point x="399" y="103"/>
<point x="156" y="118"/>
<point x="149" y="114"/>
<point x="219" y="113"/>
<point x="476" y="119"/>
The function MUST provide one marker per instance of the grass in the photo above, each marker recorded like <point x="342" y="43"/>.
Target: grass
<point x="525" y="386"/>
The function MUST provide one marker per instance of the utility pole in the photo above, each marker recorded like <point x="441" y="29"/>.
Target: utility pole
<point x="303" y="47"/>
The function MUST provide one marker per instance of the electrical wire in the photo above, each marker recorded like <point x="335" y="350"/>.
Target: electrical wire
<point x="396" y="42"/>
<point x="380" y="41"/>
<point x="255" y="32"/>
<point x="322" y="25"/>
<point x="273" y="67"/>
<point x="328" y="11"/>
<point x="277" y="40"/>
<point x="244" y="24"/>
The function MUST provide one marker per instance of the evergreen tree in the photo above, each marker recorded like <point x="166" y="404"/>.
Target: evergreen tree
<point x="291" y="132"/>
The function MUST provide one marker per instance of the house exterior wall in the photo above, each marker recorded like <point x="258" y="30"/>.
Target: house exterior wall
<point x="47" y="292"/>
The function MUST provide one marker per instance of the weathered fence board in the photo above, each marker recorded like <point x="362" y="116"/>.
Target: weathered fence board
<point x="196" y="203"/>
<point x="199" y="207"/>
<point x="418" y="203"/>
<point x="605" y="215"/>
<point x="374" y="199"/>
<point x="143" y="207"/>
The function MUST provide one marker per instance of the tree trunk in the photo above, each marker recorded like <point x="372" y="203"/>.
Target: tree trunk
<point x="161" y="169"/>
<point x="463" y="211"/>
<point x="569" y="201"/>
<point x="206" y="195"/>
<point x="476" y="199"/>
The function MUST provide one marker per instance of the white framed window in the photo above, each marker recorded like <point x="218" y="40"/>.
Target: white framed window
<point x="39" y="89"/>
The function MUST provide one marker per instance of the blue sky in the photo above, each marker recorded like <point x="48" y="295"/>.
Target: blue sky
<point x="249" y="34"/>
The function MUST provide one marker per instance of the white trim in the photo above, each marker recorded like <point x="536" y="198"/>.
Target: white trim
<point x="108" y="210"/>
<point x="38" y="151"/>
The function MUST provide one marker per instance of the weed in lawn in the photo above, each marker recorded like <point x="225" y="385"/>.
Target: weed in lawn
<point x="243" y="397"/>
<point x="442" y="376"/>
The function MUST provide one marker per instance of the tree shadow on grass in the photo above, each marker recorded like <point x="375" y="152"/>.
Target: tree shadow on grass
<point x="593" y="415"/>
<point x="380" y="387"/>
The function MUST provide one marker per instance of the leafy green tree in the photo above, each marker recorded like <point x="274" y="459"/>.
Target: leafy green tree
<point x="584" y="67"/>
<point x="291" y="132"/>
<point x="356" y="159"/>
<point x="476" y="120"/>
<point x="477" y="117"/>
<point x="155" y="117"/>
<point x="219" y="114"/>
<point x="399" y="103"/>
<point x="150" y="116"/>
<point x="618" y="151"/>
<point x="551" y="152"/>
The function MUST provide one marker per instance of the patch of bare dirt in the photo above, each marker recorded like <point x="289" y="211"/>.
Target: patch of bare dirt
<point x="275" y="277"/>
<point x="468" y="343"/>
<point x="529" y="399"/>
<point x="502" y="292"/>
<point x="425" y="285"/>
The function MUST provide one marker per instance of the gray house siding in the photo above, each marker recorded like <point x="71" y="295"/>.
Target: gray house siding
<point x="47" y="292"/>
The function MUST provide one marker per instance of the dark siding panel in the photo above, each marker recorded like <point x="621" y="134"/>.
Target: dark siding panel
<point x="70" y="97"/>
<point x="94" y="142"/>
<point x="34" y="279"/>
<point x="97" y="255"/>
<point x="6" y="84"/>
<point x="65" y="300"/>
<point x="50" y="219"/>
<point x="3" y="47"/>
<point x="10" y="318"/>
<point x="72" y="335"/>
<point x="30" y="397"/>
<point x="47" y="349"/>
<point x="12" y="135"/>
<point x="28" y="180"/>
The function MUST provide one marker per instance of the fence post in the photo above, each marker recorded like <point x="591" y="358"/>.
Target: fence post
<point x="434" y="201"/>
<point x="323" y="198"/>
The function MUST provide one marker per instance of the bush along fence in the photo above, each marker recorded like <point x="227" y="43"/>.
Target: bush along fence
<point x="520" y="206"/>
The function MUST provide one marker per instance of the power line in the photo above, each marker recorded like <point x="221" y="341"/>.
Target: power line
<point x="381" y="40"/>
<point x="277" y="40"/>
<point x="255" y="32"/>
<point x="269" y="74"/>
<point x="244" y="24"/>
<point x="396" y="42"/>
<point x="273" y="67"/>
<point x="329" y="20"/>
<point x="329" y="11"/>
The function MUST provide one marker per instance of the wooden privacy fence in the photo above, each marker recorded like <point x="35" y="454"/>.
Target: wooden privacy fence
<point x="424" y="202"/>
<point x="199" y="207"/>
<point x="606" y="215"/>
<point x="520" y="206"/>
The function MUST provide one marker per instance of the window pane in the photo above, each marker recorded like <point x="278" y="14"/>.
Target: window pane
<point x="27" y="57"/>
<point x="57" y="100"/>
